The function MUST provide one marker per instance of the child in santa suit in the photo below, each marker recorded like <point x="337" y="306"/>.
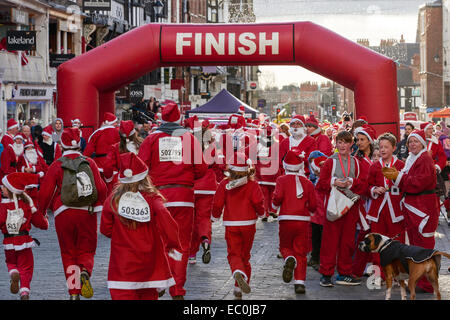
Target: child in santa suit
<point x="129" y="142"/>
<point x="242" y="202"/>
<point x="17" y="214"/>
<point x="316" y="161"/>
<point x="31" y="162"/>
<point x="295" y="196"/>
<point x="140" y="227"/>
<point x="204" y="190"/>
<point x="76" y="227"/>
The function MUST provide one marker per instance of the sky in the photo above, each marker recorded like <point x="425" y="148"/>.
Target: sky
<point x="352" y="19"/>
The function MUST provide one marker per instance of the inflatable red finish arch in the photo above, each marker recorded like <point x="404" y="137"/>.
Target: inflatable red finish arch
<point x="87" y="83"/>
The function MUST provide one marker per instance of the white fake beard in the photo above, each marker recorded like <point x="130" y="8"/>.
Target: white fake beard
<point x="18" y="149"/>
<point x="298" y="133"/>
<point x="49" y="141"/>
<point x="31" y="156"/>
<point x="131" y="146"/>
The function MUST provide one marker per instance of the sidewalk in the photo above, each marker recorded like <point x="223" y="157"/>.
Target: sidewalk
<point x="212" y="281"/>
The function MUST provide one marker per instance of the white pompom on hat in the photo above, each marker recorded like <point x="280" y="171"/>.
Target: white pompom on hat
<point x="132" y="168"/>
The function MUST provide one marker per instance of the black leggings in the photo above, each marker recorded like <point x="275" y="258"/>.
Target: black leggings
<point x="316" y="239"/>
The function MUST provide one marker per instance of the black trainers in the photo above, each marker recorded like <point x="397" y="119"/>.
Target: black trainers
<point x="288" y="270"/>
<point x="345" y="280"/>
<point x="299" y="288"/>
<point x="206" y="257"/>
<point x="325" y="281"/>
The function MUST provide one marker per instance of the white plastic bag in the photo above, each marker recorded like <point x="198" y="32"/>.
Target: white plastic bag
<point x="338" y="205"/>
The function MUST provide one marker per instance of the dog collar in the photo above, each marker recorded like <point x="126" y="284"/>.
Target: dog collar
<point x="385" y="245"/>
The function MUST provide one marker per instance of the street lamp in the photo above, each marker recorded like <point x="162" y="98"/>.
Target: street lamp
<point x="158" y="7"/>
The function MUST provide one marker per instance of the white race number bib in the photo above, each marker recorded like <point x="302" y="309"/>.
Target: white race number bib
<point x="14" y="221"/>
<point x="133" y="206"/>
<point x="84" y="185"/>
<point x="170" y="149"/>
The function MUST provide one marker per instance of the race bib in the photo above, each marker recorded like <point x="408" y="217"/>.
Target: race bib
<point x="14" y="221"/>
<point x="170" y="149"/>
<point x="84" y="185"/>
<point x="133" y="206"/>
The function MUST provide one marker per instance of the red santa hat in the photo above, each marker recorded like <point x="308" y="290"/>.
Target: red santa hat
<point x="126" y="128"/>
<point x="207" y="125"/>
<point x="424" y="126"/>
<point x="189" y="122"/>
<point x="16" y="182"/>
<point x="318" y="162"/>
<point x="11" y="124"/>
<point x="298" y="118"/>
<point x="293" y="161"/>
<point x="47" y="131"/>
<point x="311" y="120"/>
<point x="76" y="123"/>
<point x="109" y="118"/>
<point x="171" y="113"/>
<point x="70" y="138"/>
<point x="363" y="118"/>
<point x="239" y="162"/>
<point x="241" y="109"/>
<point x="19" y="136"/>
<point x="132" y="168"/>
<point x="419" y="135"/>
<point x="368" y="131"/>
<point x="28" y="144"/>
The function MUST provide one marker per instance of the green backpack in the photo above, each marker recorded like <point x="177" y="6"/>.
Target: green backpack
<point x="78" y="186"/>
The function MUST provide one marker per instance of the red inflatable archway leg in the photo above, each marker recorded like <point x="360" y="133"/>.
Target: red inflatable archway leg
<point x="86" y="84"/>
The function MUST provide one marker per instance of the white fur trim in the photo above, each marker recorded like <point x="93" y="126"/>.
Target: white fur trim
<point x="9" y="186"/>
<point x="179" y="204"/>
<point x="86" y="208"/>
<point x="241" y="272"/>
<point x="239" y="169"/>
<point x="418" y="137"/>
<point x="176" y="255"/>
<point x="129" y="285"/>
<point x="282" y="217"/>
<point x="293" y="167"/>
<point x="239" y="223"/>
<point x="135" y="178"/>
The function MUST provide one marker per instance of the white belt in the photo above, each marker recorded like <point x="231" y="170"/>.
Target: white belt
<point x="64" y="207"/>
<point x="204" y="192"/>
<point x="179" y="204"/>
<point x="294" y="217"/>
<point x="239" y="223"/>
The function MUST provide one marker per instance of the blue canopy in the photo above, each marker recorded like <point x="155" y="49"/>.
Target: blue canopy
<point x="222" y="104"/>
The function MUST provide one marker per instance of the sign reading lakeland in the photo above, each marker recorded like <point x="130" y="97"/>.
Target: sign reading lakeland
<point x="88" y="82"/>
<point x="20" y="40"/>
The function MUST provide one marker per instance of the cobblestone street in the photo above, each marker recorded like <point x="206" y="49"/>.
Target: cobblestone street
<point x="212" y="281"/>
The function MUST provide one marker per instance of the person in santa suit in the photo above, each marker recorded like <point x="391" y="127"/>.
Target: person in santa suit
<point x="437" y="153"/>
<point x="316" y="161"/>
<point x="12" y="129"/>
<point x="204" y="190"/>
<point x="385" y="214"/>
<point x="313" y="129"/>
<point x="48" y="149"/>
<point x="344" y="172"/>
<point x="417" y="180"/>
<point x="175" y="160"/>
<point x="76" y="227"/>
<point x="295" y="197"/>
<point x="31" y="162"/>
<point x="284" y="131"/>
<point x="365" y="137"/>
<point x="101" y="140"/>
<point x="235" y="137"/>
<point x="267" y="167"/>
<point x="10" y="156"/>
<point x="139" y="225"/>
<point x="76" y="123"/>
<point x="298" y="140"/>
<point x="129" y="142"/>
<point x="241" y="200"/>
<point x="17" y="214"/>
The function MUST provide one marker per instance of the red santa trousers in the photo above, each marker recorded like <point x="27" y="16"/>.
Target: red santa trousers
<point x="412" y="223"/>
<point x="338" y="244"/>
<point x="22" y="262"/>
<point x="267" y="192"/>
<point x="139" y="294"/>
<point x="77" y="236"/>
<point x="361" y="258"/>
<point x="184" y="216"/>
<point x="202" y="222"/>
<point x="239" y="245"/>
<point x="295" y="241"/>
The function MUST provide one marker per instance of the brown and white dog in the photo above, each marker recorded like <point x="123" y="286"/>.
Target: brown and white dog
<point x="400" y="262"/>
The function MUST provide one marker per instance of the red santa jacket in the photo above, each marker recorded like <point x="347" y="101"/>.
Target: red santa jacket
<point x="7" y="139"/>
<point x="418" y="182"/>
<point x="174" y="161"/>
<point x="100" y="142"/>
<point x="50" y="188"/>
<point x="32" y="217"/>
<point x="8" y="160"/>
<point x="285" y="198"/>
<point x="267" y="165"/>
<point x="391" y="199"/>
<point x="243" y="204"/>
<point x="437" y="154"/>
<point x="138" y="259"/>
<point x="323" y="143"/>
<point x="40" y="167"/>
<point x="206" y="185"/>
<point x="307" y="145"/>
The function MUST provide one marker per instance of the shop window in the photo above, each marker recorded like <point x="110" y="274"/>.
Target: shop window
<point x="36" y="109"/>
<point x="11" y="110"/>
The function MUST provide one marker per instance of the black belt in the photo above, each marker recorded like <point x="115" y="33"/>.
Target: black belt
<point x="174" y="186"/>
<point x="21" y="233"/>
<point x="421" y="193"/>
<point x="94" y="155"/>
